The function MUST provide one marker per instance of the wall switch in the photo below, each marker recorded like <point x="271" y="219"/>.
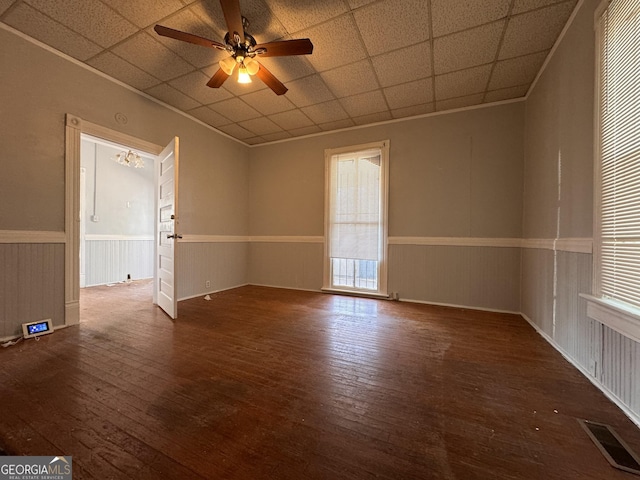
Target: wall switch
<point x="207" y="284"/>
<point x="593" y="366"/>
<point x="95" y="218"/>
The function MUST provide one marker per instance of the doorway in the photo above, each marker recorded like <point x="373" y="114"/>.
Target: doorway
<point x="116" y="214"/>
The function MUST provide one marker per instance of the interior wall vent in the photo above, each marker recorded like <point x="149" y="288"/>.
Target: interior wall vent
<point x="612" y="446"/>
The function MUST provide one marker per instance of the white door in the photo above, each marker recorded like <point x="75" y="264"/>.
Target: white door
<point x="167" y="238"/>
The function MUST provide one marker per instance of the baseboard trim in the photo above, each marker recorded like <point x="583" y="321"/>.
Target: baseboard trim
<point x="211" y="292"/>
<point x="464" y="307"/>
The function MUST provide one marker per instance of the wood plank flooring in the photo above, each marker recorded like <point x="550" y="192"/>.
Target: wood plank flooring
<point x="263" y="383"/>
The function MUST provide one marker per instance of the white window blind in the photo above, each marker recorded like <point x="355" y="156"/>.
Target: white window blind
<point x="355" y="209"/>
<point x="619" y="146"/>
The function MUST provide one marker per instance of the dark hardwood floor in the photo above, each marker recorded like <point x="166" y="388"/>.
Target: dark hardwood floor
<point x="263" y="383"/>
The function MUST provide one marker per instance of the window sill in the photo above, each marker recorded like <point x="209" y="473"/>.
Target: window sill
<point x="622" y="319"/>
<point x="356" y="293"/>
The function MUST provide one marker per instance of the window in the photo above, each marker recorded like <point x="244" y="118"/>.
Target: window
<point x="356" y="237"/>
<point x="617" y="231"/>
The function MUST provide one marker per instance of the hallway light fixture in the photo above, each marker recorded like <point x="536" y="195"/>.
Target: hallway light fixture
<point x="129" y="158"/>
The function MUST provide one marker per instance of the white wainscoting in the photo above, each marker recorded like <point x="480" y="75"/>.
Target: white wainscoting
<point x="31" y="285"/>
<point x="110" y="258"/>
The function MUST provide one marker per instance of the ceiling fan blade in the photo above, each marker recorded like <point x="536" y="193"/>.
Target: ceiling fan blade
<point x="218" y="79"/>
<point x="302" y="46"/>
<point x="187" y="37"/>
<point x="270" y="81"/>
<point x="233" y="17"/>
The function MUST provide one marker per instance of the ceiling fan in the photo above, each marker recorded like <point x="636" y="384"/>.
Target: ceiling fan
<point x="243" y="49"/>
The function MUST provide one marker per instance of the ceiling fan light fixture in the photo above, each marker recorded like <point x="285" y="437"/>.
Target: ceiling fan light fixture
<point x="243" y="75"/>
<point x="251" y="65"/>
<point x="227" y="65"/>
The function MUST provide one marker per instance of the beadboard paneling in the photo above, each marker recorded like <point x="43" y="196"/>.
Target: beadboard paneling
<point x="621" y="368"/>
<point x="479" y="277"/>
<point x="536" y="300"/>
<point x="109" y="261"/>
<point x="290" y="265"/>
<point x="31" y="285"/>
<point x="222" y="264"/>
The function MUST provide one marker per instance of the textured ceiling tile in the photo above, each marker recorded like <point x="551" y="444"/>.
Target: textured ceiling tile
<point x="462" y="83"/>
<point x="5" y="4"/>
<point x="211" y="22"/>
<point x="170" y="95"/>
<point x="187" y="21"/>
<point x="254" y="140"/>
<point x="288" y="68"/>
<point x="236" y="131"/>
<point x="454" y="15"/>
<point x="351" y="79"/>
<point x="506" y="93"/>
<point x="325" y="112"/>
<point x="308" y="91"/>
<point x="467" y="49"/>
<point x="209" y="117"/>
<point x="534" y="31"/>
<point x="364" y="103"/>
<point x="460" y="102"/>
<point x="516" y="71"/>
<point x="260" y="126"/>
<point x="407" y="94"/>
<point x="194" y="84"/>
<point x="346" y="123"/>
<point x="152" y="57"/>
<point x="296" y="15"/>
<point x="373" y="118"/>
<point x="90" y="18"/>
<point x="334" y="44"/>
<point x="521" y="6"/>
<point x="384" y="27"/>
<point x="235" y="109"/>
<point x="267" y="103"/>
<point x="118" y="68"/>
<point x="272" y="137"/>
<point x="298" y="132"/>
<point x="413" y="110"/>
<point x="39" y="26"/>
<point x="291" y="119"/>
<point x="404" y="65"/>
<point x="144" y="13"/>
<point x="359" y="3"/>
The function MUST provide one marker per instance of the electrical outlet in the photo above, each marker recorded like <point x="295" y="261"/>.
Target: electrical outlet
<point x="207" y="284"/>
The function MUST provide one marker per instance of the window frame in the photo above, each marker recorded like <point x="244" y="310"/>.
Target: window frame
<point x="384" y="180"/>
<point x="620" y="316"/>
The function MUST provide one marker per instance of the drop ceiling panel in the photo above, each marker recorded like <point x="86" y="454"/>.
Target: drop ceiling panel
<point x="351" y="79"/>
<point x="4" y="5"/>
<point x="413" y="110"/>
<point x="520" y="6"/>
<point x="288" y="68"/>
<point x="325" y="112"/>
<point x="364" y="103"/>
<point x="384" y="27"/>
<point x="334" y="44"/>
<point x="297" y="132"/>
<point x="235" y="109"/>
<point x="373" y="118"/>
<point x="90" y="18"/>
<point x="336" y="125"/>
<point x="267" y="103"/>
<point x="151" y="56"/>
<point x="209" y="117"/>
<point x="116" y="67"/>
<point x="525" y="35"/>
<point x="506" y="93"/>
<point x="454" y="15"/>
<point x="194" y="84"/>
<point x="143" y="14"/>
<point x="291" y="119"/>
<point x="296" y="15"/>
<point x="272" y="137"/>
<point x="405" y="95"/>
<point x="462" y="83"/>
<point x="516" y="71"/>
<point x="308" y="91"/>
<point x="46" y="30"/>
<point x="403" y="65"/>
<point x="260" y="126"/>
<point x="467" y="49"/>
<point x="460" y="102"/>
<point x="170" y="95"/>
<point x="237" y="131"/>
